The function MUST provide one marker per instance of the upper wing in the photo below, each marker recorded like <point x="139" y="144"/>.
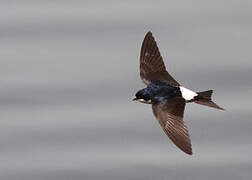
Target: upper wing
<point x="152" y="67"/>
<point x="170" y="116"/>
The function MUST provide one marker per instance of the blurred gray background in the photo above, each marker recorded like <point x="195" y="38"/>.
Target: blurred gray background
<point x="69" y="69"/>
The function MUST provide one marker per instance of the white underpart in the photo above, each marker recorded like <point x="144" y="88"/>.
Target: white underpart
<point x="187" y="94"/>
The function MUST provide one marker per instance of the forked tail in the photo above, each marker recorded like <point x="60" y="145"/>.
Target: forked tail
<point x="204" y="98"/>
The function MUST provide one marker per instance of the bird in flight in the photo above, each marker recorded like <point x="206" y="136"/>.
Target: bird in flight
<point x="166" y="95"/>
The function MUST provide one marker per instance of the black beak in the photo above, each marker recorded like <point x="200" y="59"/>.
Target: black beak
<point x="134" y="99"/>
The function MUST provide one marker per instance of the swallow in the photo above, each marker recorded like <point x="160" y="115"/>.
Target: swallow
<point x="167" y="97"/>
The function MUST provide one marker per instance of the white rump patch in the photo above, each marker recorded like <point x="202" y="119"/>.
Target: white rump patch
<point x="187" y="94"/>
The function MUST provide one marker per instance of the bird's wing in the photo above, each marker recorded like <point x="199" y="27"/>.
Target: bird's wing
<point x="170" y="116"/>
<point x="152" y="67"/>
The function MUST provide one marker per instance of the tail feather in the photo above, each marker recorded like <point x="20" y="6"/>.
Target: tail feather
<point x="206" y="94"/>
<point x="204" y="98"/>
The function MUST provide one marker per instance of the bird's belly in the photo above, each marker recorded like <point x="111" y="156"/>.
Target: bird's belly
<point x="187" y="94"/>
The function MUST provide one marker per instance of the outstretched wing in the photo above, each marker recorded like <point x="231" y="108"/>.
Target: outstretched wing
<point x="152" y="67"/>
<point x="170" y="116"/>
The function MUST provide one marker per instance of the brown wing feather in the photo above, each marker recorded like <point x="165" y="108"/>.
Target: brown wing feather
<point x="170" y="116"/>
<point x="152" y="67"/>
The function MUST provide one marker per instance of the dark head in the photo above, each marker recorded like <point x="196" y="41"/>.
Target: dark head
<point x="143" y="96"/>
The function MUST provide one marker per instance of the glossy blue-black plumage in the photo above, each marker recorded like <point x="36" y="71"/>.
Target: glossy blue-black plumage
<point x="158" y="91"/>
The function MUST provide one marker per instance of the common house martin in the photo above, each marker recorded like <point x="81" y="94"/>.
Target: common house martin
<point x="166" y="95"/>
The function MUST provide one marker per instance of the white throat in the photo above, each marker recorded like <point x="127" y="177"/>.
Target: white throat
<point x="187" y="94"/>
<point x="143" y="101"/>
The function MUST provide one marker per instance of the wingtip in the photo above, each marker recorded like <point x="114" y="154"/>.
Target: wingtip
<point x="189" y="152"/>
<point x="149" y="33"/>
